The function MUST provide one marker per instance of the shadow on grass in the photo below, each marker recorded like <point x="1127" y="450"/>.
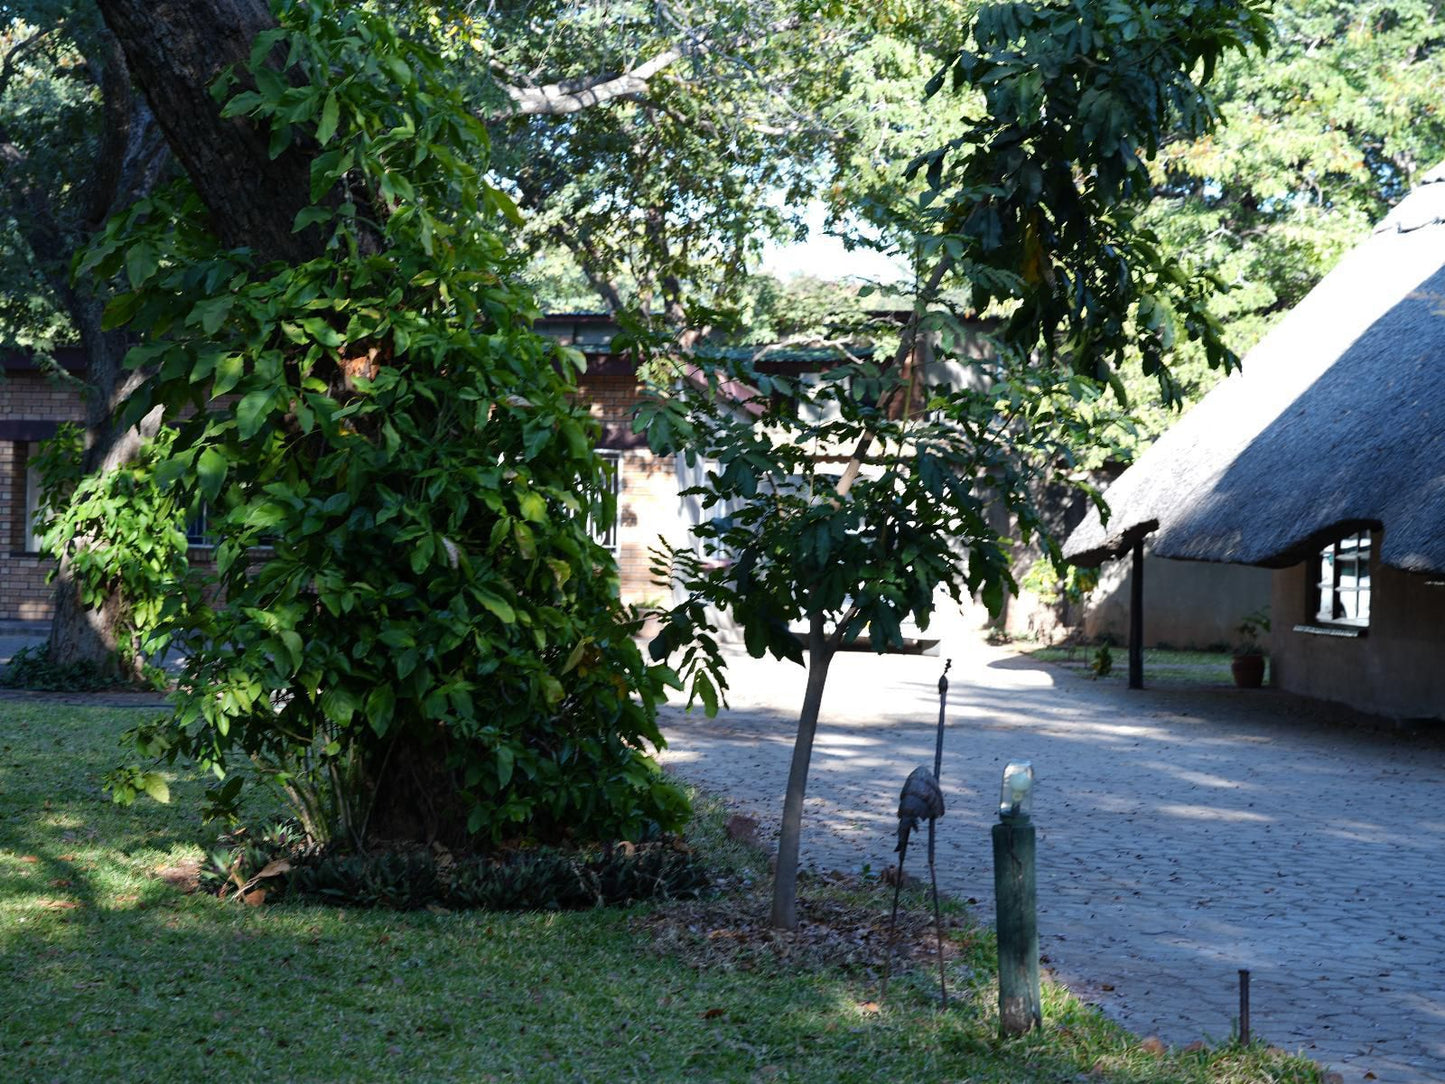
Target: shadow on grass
<point x="110" y="973"/>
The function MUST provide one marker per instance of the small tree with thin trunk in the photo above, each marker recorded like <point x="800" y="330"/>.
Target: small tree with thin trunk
<point x="924" y="459"/>
<point x="1033" y="213"/>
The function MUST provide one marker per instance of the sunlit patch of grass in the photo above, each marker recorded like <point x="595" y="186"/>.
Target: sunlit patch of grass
<point x="1162" y="666"/>
<point x="138" y="981"/>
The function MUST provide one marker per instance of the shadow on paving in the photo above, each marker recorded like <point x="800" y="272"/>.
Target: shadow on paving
<point x="1184" y="834"/>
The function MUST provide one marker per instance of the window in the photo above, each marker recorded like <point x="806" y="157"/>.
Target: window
<point x="33" y="527"/>
<point x="606" y="533"/>
<point x="1342" y="592"/>
<point x="198" y="528"/>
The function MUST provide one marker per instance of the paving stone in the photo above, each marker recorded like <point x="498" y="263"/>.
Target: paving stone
<point x="1183" y="834"/>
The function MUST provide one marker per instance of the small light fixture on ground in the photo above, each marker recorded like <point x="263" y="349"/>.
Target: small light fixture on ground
<point x="1016" y="895"/>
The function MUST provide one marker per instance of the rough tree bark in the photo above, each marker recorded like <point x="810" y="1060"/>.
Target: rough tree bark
<point x="130" y="157"/>
<point x="175" y="50"/>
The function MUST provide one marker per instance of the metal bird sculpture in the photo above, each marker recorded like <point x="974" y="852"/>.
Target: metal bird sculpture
<point x="921" y="800"/>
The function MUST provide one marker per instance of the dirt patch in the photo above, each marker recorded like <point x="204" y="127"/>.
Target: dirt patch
<point x="185" y="876"/>
<point x="734" y="932"/>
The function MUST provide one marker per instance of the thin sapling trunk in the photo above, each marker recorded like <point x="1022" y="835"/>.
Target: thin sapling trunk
<point x="785" y="883"/>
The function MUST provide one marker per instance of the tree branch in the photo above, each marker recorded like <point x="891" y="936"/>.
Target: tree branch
<point x="12" y="58"/>
<point x="574" y="95"/>
<point x="906" y="343"/>
<point x="115" y="136"/>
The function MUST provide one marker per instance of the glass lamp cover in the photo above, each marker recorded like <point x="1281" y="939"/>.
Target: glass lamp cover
<point x="1016" y="796"/>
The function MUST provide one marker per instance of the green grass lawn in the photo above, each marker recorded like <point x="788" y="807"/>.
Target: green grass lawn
<point x="1162" y="666"/>
<point x="109" y="972"/>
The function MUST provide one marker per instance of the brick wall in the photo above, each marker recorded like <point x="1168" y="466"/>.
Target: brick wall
<point x="31" y="405"/>
<point x="647" y="500"/>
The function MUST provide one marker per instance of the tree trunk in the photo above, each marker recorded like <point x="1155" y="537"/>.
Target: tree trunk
<point x="130" y="157"/>
<point x="175" y="50"/>
<point x="78" y="634"/>
<point x="785" y="881"/>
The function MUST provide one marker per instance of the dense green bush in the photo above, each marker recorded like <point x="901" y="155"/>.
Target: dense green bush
<point x="408" y="626"/>
<point x="122" y="539"/>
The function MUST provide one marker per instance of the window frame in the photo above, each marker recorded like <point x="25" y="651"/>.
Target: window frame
<point x="609" y="536"/>
<point x="1342" y="584"/>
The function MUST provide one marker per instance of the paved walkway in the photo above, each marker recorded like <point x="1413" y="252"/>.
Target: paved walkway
<point x="1183" y="835"/>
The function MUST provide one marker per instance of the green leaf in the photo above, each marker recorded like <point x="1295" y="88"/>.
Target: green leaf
<point x="211" y="313"/>
<point x="503" y="203"/>
<point x="498" y="607"/>
<point x="251" y="412"/>
<point x="211" y="470"/>
<point x="533" y="506"/>
<point x="229" y="370"/>
<point x="703" y="688"/>
<point x="119" y="311"/>
<point x="576" y="656"/>
<point x="330" y="113"/>
<point x="338" y="705"/>
<point x="154" y="784"/>
<point x="526" y="541"/>
<point x="506" y="761"/>
<point x="141" y="262"/>
<point x="310" y="215"/>
<point x="291" y="640"/>
<point x="322" y="332"/>
<point x="380" y="708"/>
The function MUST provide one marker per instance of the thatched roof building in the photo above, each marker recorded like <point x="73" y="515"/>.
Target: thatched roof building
<point x="1336" y="423"/>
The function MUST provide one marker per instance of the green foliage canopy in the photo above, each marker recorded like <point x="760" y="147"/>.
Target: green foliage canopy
<point x="408" y="626"/>
<point x="1039" y="199"/>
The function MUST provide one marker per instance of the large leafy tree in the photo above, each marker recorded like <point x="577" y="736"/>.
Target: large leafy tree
<point x="652" y="146"/>
<point x="720" y="122"/>
<point x="409" y="627"/>
<point x="1321" y="138"/>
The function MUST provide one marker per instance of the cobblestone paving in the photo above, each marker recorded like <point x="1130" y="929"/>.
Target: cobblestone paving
<point x="1183" y="835"/>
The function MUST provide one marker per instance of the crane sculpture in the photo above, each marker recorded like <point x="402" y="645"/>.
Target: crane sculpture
<point x="921" y="799"/>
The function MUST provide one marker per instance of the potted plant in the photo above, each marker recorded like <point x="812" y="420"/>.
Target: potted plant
<point x="1248" y="663"/>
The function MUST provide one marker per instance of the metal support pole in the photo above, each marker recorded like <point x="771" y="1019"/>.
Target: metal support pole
<point x="892" y="926"/>
<point x="937" y="917"/>
<point x="1016" y="893"/>
<point x="942" y="718"/>
<point x="1136" y="618"/>
<point x="1243" y="1007"/>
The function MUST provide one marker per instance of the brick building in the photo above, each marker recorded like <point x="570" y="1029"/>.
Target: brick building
<point x="33" y="403"/>
<point x="648" y="487"/>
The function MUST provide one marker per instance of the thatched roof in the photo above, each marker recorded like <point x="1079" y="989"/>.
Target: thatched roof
<point x="1336" y="422"/>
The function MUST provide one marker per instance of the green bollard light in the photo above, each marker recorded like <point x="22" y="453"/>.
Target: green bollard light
<point x="1016" y="896"/>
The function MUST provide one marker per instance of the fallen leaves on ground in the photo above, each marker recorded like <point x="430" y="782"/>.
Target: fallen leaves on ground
<point x="736" y="933"/>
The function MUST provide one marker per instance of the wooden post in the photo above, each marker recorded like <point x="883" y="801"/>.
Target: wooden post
<point x="1016" y="896"/>
<point x="1136" y="619"/>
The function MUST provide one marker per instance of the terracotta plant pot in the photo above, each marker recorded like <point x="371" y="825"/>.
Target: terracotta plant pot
<point x="1248" y="671"/>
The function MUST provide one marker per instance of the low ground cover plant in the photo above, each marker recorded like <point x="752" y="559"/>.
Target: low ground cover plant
<point x="280" y="863"/>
